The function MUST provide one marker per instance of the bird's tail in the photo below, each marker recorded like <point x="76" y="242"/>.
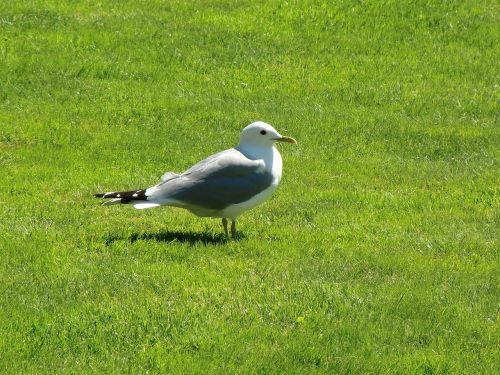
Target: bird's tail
<point x="137" y="197"/>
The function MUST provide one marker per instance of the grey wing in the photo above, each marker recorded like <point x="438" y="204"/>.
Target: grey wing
<point x="223" y="179"/>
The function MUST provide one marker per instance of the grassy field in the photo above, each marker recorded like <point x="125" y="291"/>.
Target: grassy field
<point x="379" y="252"/>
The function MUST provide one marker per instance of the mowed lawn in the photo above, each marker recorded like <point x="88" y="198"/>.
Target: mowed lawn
<point x="378" y="253"/>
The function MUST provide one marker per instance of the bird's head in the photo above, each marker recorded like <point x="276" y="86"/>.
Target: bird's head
<point x="261" y="134"/>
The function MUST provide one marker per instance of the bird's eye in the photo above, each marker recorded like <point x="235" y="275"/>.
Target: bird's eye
<point x="263" y="132"/>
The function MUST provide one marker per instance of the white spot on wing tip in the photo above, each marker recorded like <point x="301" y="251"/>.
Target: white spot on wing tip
<point x="134" y="195"/>
<point x="118" y="195"/>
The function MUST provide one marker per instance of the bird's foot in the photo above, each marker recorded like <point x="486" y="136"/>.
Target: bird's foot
<point x="224" y="224"/>
<point x="233" y="229"/>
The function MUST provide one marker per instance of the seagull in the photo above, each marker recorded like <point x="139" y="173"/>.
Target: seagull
<point x="224" y="185"/>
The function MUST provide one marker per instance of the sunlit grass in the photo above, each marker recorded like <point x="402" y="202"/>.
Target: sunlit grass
<point x="377" y="254"/>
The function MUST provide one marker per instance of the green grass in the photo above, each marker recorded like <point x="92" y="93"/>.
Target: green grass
<point x="377" y="254"/>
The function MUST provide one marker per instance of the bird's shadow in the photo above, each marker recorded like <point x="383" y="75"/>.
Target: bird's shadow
<point x="191" y="238"/>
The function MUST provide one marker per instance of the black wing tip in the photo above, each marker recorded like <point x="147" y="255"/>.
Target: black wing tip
<point x="126" y="196"/>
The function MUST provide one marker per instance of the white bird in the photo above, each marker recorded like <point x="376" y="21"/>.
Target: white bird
<point x="223" y="185"/>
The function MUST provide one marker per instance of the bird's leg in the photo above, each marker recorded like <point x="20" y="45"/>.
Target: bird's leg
<point x="233" y="228"/>
<point x="224" y="223"/>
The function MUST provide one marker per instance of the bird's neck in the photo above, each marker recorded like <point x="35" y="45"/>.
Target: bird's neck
<point x="255" y="152"/>
<point x="268" y="154"/>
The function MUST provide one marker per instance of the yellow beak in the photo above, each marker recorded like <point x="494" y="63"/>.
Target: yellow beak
<point x="286" y="139"/>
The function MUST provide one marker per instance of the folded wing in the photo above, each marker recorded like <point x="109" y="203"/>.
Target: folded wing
<point x="223" y="179"/>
